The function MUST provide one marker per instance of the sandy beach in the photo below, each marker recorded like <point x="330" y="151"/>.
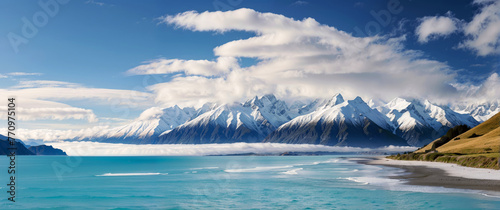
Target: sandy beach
<point x="442" y="174"/>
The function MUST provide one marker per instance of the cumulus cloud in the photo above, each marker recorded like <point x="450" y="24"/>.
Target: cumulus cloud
<point x="295" y="58"/>
<point x="436" y="26"/>
<point x="483" y="32"/>
<point x="107" y="149"/>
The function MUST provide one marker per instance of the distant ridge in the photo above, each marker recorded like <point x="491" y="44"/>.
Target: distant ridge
<point x="4" y="147"/>
<point x="45" y="150"/>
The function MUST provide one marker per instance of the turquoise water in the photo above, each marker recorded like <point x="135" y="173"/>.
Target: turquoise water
<point x="222" y="182"/>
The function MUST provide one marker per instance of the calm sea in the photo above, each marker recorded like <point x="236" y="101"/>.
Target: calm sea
<point x="222" y="182"/>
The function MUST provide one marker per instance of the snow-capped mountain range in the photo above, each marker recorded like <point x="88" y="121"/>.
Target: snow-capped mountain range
<point x="480" y="111"/>
<point x="147" y="127"/>
<point x="333" y="121"/>
<point x="339" y="123"/>
<point x="422" y="122"/>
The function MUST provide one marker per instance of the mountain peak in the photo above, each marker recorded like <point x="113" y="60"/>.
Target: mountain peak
<point x="358" y="100"/>
<point x="398" y="104"/>
<point x="335" y="100"/>
<point x="264" y="101"/>
<point x="269" y="97"/>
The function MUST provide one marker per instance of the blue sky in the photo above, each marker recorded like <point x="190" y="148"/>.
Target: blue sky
<point x="84" y="39"/>
<point x="94" y="45"/>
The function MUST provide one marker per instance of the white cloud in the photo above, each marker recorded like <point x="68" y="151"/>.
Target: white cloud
<point x="48" y="135"/>
<point x="298" y="58"/>
<point x="106" y="149"/>
<point x="490" y="88"/>
<point x="19" y="74"/>
<point x="45" y="83"/>
<point x="52" y="114"/>
<point x="42" y="100"/>
<point x="190" y="67"/>
<point x="31" y="110"/>
<point x="436" y="26"/>
<point x="483" y="31"/>
<point x="151" y="113"/>
<point x="300" y="3"/>
<point x="78" y="93"/>
<point x="484" y="92"/>
<point x="95" y="3"/>
<point x="24" y="74"/>
<point x="58" y="90"/>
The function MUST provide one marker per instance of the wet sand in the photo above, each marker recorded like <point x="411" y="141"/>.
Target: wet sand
<point x="417" y="174"/>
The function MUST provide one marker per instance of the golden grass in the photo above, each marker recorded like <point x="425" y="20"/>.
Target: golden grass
<point x="496" y="154"/>
<point x="478" y="147"/>
<point x="488" y="139"/>
<point x="489" y="160"/>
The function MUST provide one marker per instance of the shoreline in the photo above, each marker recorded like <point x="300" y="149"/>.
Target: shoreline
<point x="446" y="175"/>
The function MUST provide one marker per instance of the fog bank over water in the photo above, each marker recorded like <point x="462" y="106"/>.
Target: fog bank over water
<point x="109" y="149"/>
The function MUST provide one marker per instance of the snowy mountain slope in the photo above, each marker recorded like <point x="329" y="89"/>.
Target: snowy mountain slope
<point x="339" y="123"/>
<point x="248" y="122"/>
<point x="420" y="123"/>
<point x="480" y="111"/>
<point x="300" y="108"/>
<point x="147" y="127"/>
<point x="268" y="108"/>
<point x="310" y="107"/>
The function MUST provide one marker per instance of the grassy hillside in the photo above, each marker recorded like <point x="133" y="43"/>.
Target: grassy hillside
<point x="484" y="138"/>
<point x="485" y="160"/>
<point x="478" y="147"/>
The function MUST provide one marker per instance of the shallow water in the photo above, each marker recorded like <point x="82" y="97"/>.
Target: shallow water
<point x="222" y="182"/>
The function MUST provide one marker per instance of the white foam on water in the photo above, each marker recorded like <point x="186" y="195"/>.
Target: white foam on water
<point x="491" y="194"/>
<point x="433" y="189"/>
<point x="293" y="171"/>
<point x="449" y="168"/>
<point x="376" y="176"/>
<point x="379" y="181"/>
<point x="353" y="180"/>
<point x="257" y="169"/>
<point x="204" y="168"/>
<point x="131" y="174"/>
<point x="400" y="185"/>
<point x="326" y="161"/>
